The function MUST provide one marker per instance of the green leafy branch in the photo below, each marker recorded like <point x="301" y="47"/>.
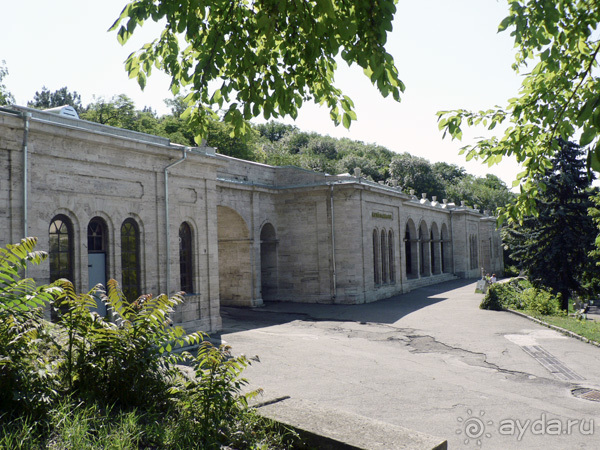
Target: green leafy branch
<point x="558" y="97"/>
<point x="265" y="57"/>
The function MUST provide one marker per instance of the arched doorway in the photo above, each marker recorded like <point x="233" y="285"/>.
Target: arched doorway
<point x="436" y="259"/>
<point x="97" y="240"/>
<point x="411" y="249"/>
<point x="268" y="262"/>
<point x="235" y="268"/>
<point x="424" y="251"/>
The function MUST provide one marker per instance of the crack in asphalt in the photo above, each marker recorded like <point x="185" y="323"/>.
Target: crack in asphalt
<point x="429" y="344"/>
<point x="423" y="343"/>
<point x="419" y="343"/>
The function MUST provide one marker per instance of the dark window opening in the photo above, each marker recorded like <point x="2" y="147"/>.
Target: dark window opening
<point x="130" y="259"/>
<point x="185" y="258"/>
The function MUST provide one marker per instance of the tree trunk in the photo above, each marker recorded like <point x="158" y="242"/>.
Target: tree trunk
<point x="564" y="299"/>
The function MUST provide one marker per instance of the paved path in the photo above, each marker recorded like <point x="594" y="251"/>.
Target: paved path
<point x="430" y="360"/>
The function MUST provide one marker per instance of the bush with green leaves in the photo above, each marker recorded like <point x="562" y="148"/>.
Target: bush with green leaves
<point x="126" y="360"/>
<point x="541" y="302"/>
<point x="213" y="398"/>
<point x="499" y="296"/>
<point x="29" y="381"/>
<point x="519" y="294"/>
<point x="77" y="382"/>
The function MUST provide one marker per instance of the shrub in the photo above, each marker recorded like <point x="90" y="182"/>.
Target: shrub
<point x="541" y="302"/>
<point x="79" y="383"/>
<point x="518" y="293"/>
<point x="499" y="296"/>
<point x="213" y="400"/>
<point x="128" y="360"/>
<point x="29" y="381"/>
<point x="492" y="299"/>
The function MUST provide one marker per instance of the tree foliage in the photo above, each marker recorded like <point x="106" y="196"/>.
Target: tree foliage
<point x="220" y="135"/>
<point x="553" y="246"/>
<point x="6" y="98"/>
<point x="274" y="131"/>
<point x="557" y="53"/>
<point x="119" y="112"/>
<point x="46" y="99"/>
<point x="487" y="192"/>
<point x="262" y="57"/>
<point x="413" y="172"/>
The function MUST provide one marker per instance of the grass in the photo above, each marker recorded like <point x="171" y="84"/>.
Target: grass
<point x="586" y="328"/>
<point x="89" y="427"/>
<point x="87" y="382"/>
<point x="520" y="295"/>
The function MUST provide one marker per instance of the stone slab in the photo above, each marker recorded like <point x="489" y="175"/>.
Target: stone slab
<point x="335" y="429"/>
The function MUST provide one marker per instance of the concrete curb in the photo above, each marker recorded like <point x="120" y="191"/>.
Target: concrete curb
<point x="329" y="429"/>
<point x="555" y="328"/>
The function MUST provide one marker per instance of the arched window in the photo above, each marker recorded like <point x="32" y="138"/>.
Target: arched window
<point x="476" y="256"/>
<point x="422" y="251"/>
<point x="432" y="251"/>
<point x="61" y="248"/>
<point x="97" y="236"/>
<point x="130" y="259"/>
<point x="384" y="258"/>
<point x="391" y="265"/>
<point x="407" y="251"/>
<point x="185" y="258"/>
<point x="443" y="255"/>
<point x="376" y="271"/>
<point x="473" y="252"/>
<point x="97" y="239"/>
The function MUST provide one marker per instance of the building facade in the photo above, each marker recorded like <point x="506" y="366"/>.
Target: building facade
<point x="161" y="218"/>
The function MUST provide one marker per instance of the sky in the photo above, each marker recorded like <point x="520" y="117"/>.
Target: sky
<point x="448" y="54"/>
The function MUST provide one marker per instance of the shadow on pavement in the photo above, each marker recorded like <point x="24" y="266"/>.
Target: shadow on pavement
<point x="385" y="311"/>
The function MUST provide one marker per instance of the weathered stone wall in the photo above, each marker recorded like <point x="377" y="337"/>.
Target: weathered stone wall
<point x="82" y="174"/>
<point x="304" y="250"/>
<point x="246" y="172"/>
<point x="492" y="254"/>
<point x="258" y="232"/>
<point x="351" y="286"/>
<point x="11" y="172"/>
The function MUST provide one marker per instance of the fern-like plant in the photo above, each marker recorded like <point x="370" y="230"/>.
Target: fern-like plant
<point x="100" y="364"/>
<point x="28" y="378"/>
<point x="213" y="401"/>
<point x="126" y="360"/>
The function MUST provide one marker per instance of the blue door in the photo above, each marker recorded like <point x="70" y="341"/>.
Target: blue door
<point x="97" y="274"/>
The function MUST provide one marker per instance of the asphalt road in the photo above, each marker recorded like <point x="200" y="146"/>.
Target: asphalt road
<point x="430" y="360"/>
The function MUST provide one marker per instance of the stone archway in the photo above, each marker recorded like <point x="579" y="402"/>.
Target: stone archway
<point x="235" y="268"/>
<point x="268" y="262"/>
<point x="424" y="250"/>
<point x="436" y="259"/>
<point x="411" y="250"/>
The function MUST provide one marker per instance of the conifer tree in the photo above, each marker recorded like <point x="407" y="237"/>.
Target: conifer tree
<point x="553" y="247"/>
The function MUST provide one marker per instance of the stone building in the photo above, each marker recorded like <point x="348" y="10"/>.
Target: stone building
<point x="159" y="217"/>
